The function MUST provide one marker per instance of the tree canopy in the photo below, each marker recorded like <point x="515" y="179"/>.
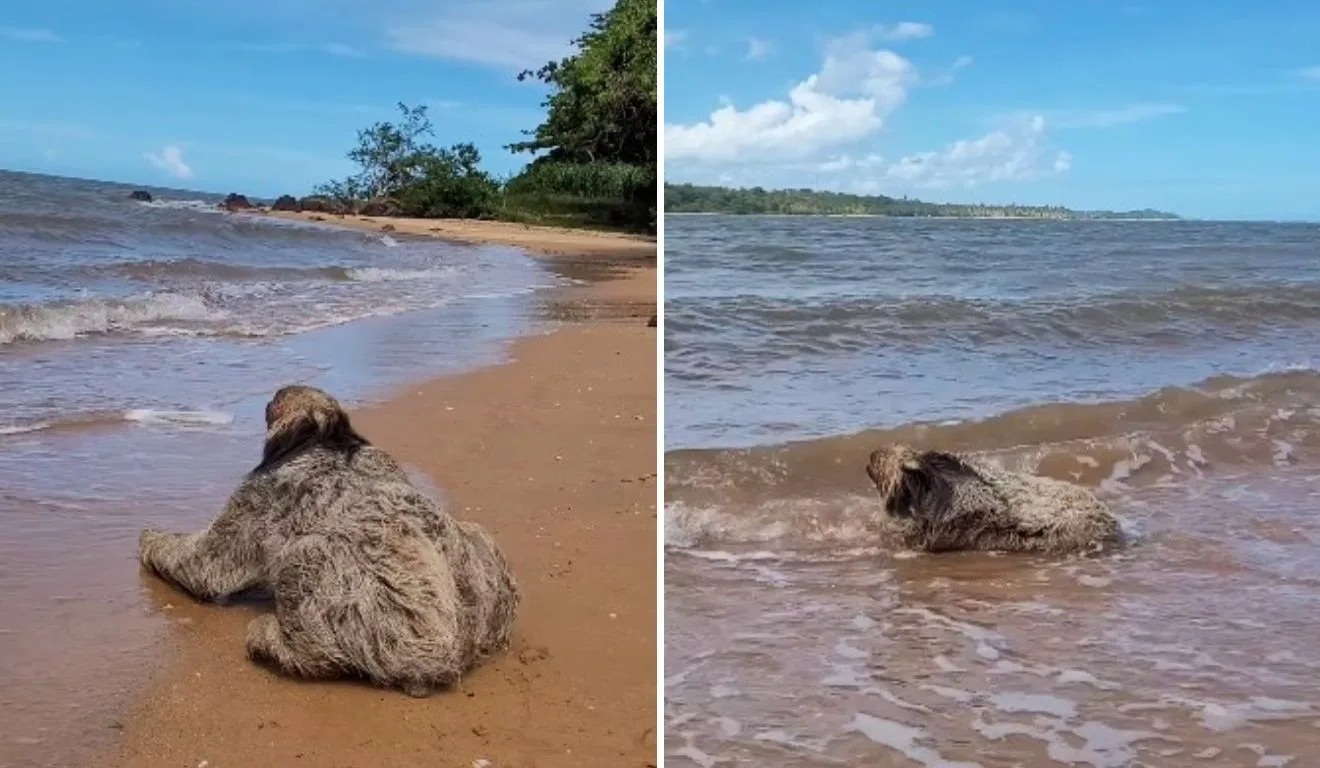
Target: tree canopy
<point x="596" y="149"/>
<point x="602" y="104"/>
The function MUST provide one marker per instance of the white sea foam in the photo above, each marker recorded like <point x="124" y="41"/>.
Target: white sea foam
<point x="69" y="320"/>
<point x="380" y="274"/>
<point x="190" y="418"/>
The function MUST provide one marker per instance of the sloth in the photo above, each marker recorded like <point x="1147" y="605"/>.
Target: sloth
<point x="370" y="577"/>
<point x="940" y="502"/>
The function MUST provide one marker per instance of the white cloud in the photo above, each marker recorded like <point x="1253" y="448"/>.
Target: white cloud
<point x="503" y="34"/>
<point x="848" y="99"/>
<point x="904" y="30"/>
<point x="170" y="160"/>
<point x="758" y="48"/>
<point x="29" y="35"/>
<point x="946" y="77"/>
<point x="828" y="123"/>
<point x="674" y="37"/>
<point x="1310" y="73"/>
<point x="1107" y="118"/>
<point x="1012" y="153"/>
<point x="333" y="49"/>
<point x="847" y="162"/>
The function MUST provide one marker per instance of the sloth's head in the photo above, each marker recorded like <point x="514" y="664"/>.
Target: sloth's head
<point x="300" y="417"/>
<point x="911" y="481"/>
<point x="887" y="465"/>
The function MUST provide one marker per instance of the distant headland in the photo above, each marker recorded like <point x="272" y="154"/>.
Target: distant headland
<point x="689" y="198"/>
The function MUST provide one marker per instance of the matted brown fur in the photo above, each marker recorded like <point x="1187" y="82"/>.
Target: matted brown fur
<point x="370" y="577"/>
<point x="942" y="502"/>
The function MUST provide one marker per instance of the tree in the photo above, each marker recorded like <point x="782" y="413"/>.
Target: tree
<point x="389" y="155"/>
<point x="602" y="105"/>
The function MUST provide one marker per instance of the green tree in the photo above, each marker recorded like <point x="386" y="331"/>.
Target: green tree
<point x="602" y="104"/>
<point x="421" y="180"/>
<point x="389" y="155"/>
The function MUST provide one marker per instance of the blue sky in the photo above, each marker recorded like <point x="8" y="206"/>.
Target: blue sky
<point x="263" y="97"/>
<point x="1209" y="108"/>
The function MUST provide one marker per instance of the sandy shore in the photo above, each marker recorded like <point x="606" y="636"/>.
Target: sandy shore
<point x="555" y="452"/>
<point x="538" y="239"/>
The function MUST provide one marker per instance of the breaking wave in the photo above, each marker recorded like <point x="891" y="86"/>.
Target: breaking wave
<point x="816" y="490"/>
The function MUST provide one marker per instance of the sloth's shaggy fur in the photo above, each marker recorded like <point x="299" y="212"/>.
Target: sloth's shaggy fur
<point x="941" y="502"/>
<point x="370" y="577"/>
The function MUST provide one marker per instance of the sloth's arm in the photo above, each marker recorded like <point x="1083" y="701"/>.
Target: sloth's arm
<point x="222" y="560"/>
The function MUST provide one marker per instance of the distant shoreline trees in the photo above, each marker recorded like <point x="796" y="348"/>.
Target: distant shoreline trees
<point x="689" y="198"/>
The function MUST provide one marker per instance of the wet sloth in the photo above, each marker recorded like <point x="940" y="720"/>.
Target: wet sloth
<point x="370" y="577"/>
<point x="940" y="502"/>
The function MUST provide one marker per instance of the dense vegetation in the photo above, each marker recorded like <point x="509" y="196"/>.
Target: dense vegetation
<point x="595" y="152"/>
<point x="687" y="198"/>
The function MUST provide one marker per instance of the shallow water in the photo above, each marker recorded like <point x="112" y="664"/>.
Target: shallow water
<point x="1167" y="366"/>
<point x="138" y="346"/>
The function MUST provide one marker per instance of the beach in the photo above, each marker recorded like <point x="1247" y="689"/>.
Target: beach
<point x="555" y="453"/>
<point x="1162" y="365"/>
<point x="521" y="387"/>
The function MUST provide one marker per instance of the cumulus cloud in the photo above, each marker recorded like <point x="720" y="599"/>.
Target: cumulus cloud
<point x="904" y="30"/>
<point x="29" y="35"/>
<point x="826" y="129"/>
<point x="1012" y="153"/>
<point x="849" y="98"/>
<point x="846" y="162"/>
<point x="758" y="48"/>
<point x="170" y="160"/>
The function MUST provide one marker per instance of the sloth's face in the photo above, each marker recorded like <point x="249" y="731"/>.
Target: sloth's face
<point x="885" y="470"/>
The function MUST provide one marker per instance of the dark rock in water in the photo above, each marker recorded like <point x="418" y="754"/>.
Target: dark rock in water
<point x="140" y="194"/>
<point x="235" y="202"/>
<point x="321" y="204"/>
<point x="652" y="323"/>
<point x="316" y="218"/>
<point x="380" y="206"/>
<point x="387" y="228"/>
<point x="286" y="203"/>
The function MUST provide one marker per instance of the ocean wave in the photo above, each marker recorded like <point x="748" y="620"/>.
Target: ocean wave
<point x="154" y="270"/>
<point x="81" y="317"/>
<point x="816" y="490"/>
<point x="188" y="418"/>
<point x="103" y="419"/>
<point x="207" y="206"/>
<point x="382" y="274"/>
<point x="853" y="321"/>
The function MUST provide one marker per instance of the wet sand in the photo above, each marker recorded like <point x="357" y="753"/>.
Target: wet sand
<point x="555" y="452"/>
<point x="555" y="241"/>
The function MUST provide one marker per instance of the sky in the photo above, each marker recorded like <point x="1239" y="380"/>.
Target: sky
<point x="264" y="98"/>
<point x="1209" y="109"/>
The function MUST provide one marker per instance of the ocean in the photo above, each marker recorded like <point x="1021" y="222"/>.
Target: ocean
<point x="1173" y="367"/>
<point x="139" y="343"/>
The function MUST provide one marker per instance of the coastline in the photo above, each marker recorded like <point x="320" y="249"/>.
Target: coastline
<point x="555" y="452"/>
<point x="537" y="239"/>
<point x="941" y="218"/>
